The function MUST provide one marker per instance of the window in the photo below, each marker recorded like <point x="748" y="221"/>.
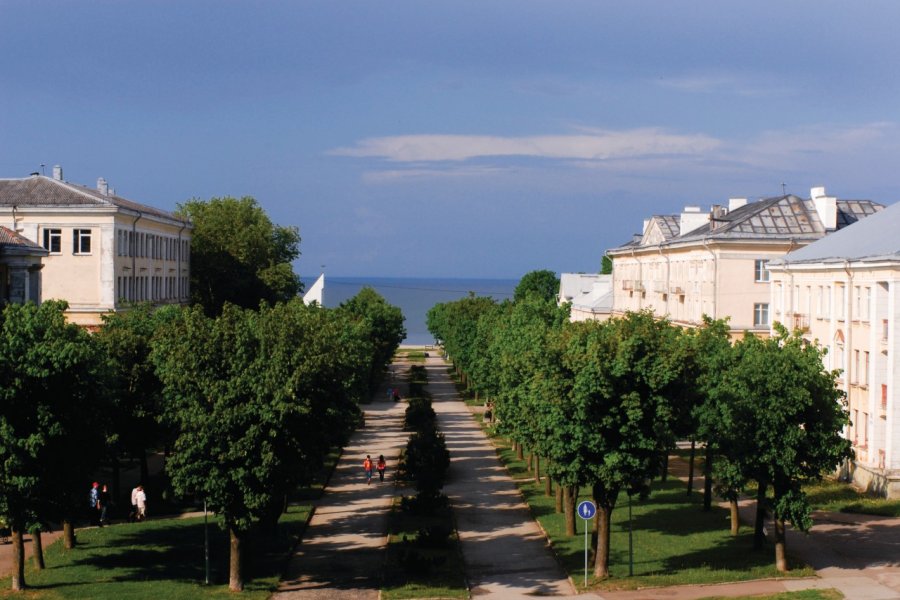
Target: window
<point x="855" y="377"/>
<point x="53" y="240"/>
<point x="761" y="315"/>
<point x="760" y="272"/>
<point x="81" y="241"/>
<point x="865" y="373"/>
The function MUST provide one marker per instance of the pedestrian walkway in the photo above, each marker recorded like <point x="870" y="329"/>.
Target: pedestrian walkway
<point x="505" y="552"/>
<point x="342" y="551"/>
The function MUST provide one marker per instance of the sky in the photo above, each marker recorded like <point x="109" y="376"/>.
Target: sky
<point x="482" y="138"/>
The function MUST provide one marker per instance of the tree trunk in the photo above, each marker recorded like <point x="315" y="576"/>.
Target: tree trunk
<point x="116" y="479"/>
<point x="530" y="461"/>
<point x="520" y="452"/>
<point x="235" y="570"/>
<point x="759" y="534"/>
<point x="735" y="517"/>
<point x="18" y="556"/>
<point x="145" y="467"/>
<point x="690" y="487"/>
<point x="569" y="507"/>
<point x="559" y="498"/>
<point x="537" y="468"/>
<point x="68" y="534"/>
<point x="780" y="547"/>
<point x="707" y="479"/>
<point x="665" y="466"/>
<point x="601" y="556"/>
<point x="548" y="486"/>
<point x="37" y="547"/>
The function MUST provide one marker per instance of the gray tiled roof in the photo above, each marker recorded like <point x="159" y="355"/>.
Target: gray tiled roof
<point x="669" y="225"/>
<point x="39" y="190"/>
<point x="874" y="238"/>
<point x="782" y="217"/>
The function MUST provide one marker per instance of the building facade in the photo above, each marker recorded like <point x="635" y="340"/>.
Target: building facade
<point x="103" y="251"/>
<point x="686" y="266"/>
<point x="843" y="293"/>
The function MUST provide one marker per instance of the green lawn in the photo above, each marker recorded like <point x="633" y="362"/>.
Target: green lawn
<point x="835" y="496"/>
<point x="157" y="559"/>
<point x="828" y="594"/>
<point x="675" y="542"/>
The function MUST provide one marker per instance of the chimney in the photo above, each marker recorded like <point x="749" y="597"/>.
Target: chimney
<point x="57" y="172"/>
<point x="691" y="219"/>
<point x="716" y="214"/>
<point x="826" y="206"/>
<point x="102" y="186"/>
<point x="734" y="203"/>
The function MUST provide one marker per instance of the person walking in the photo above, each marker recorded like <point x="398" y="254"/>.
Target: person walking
<point x="132" y="516"/>
<point x="380" y="466"/>
<point x="105" y="501"/>
<point x="367" y="467"/>
<point x="141" y="498"/>
<point x="94" y="504"/>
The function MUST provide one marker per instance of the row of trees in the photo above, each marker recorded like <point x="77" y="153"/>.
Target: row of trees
<point x="603" y="403"/>
<point x="248" y="402"/>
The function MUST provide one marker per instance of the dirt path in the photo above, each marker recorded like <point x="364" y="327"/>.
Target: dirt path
<point x="505" y="552"/>
<point x="343" y="549"/>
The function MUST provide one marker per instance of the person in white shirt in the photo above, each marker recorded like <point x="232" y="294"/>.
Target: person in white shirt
<point x="134" y="508"/>
<point x="141" y="503"/>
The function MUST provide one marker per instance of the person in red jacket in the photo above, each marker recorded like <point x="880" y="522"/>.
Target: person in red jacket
<point x="367" y="467"/>
<point x="380" y="466"/>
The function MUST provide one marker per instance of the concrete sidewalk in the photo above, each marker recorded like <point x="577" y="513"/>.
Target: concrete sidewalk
<point x="505" y="552"/>
<point x="342" y="552"/>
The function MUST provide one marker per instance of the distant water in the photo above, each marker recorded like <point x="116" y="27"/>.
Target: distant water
<point x="414" y="296"/>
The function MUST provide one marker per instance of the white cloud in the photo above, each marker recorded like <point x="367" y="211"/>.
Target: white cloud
<point x="719" y="83"/>
<point x="393" y="175"/>
<point x="596" y="145"/>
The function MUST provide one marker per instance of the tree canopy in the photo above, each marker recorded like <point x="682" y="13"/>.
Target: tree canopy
<point x="543" y="283"/>
<point x="238" y="255"/>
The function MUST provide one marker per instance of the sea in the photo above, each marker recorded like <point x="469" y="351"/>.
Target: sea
<point x="414" y="296"/>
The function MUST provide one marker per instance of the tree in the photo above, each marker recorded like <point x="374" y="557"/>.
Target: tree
<point x="623" y="372"/>
<point x="544" y="283"/>
<point x="257" y="399"/>
<point x="385" y="323"/>
<point x="788" y="417"/>
<point x="49" y="410"/>
<point x="238" y="255"/>
<point x="136" y="391"/>
<point x="606" y="265"/>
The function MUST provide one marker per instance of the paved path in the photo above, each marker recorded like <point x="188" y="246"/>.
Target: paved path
<point x="506" y="554"/>
<point x="342" y="551"/>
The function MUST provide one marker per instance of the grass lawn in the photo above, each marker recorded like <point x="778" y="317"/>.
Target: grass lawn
<point x="157" y="559"/>
<point x="675" y="542"/>
<point x="835" y="496"/>
<point x="799" y="595"/>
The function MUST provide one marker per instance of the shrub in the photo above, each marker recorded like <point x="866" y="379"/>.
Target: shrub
<point x="427" y="460"/>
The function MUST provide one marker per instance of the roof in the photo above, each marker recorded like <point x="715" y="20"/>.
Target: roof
<point x="598" y="300"/>
<point x="874" y="238"/>
<point x="779" y="218"/>
<point x="573" y="285"/>
<point x="11" y="240"/>
<point x="669" y="225"/>
<point x="39" y="190"/>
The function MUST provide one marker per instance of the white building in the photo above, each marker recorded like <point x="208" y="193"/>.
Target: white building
<point x="590" y="295"/>
<point x="103" y="250"/>
<point x="844" y="291"/>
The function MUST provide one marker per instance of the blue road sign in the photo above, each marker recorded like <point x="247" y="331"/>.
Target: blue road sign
<point x="587" y="510"/>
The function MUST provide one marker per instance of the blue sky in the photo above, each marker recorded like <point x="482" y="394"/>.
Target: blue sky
<point x="460" y="139"/>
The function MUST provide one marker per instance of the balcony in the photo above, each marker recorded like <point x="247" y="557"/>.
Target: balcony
<point x="639" y="286"/>
<point x="627" y="284"/>
<point x="659" y="286"/>
<point x="799" y="321"/>
<point x="676" y="289"/>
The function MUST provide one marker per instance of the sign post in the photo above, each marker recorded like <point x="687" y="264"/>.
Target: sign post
<point x="586" y="510"/>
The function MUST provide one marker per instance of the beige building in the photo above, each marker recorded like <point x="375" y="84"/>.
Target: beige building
<point x="844" y="292"/>
<point x="697" y="263"/>
<point x="103" y="251"/>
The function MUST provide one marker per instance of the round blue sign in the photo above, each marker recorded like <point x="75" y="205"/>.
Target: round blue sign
<point x="587" y="510"/>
